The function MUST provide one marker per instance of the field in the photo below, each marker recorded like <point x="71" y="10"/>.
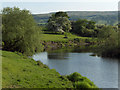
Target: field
<point x="60" y="38"/>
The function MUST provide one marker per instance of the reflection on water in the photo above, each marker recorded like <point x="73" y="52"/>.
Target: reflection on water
<point x="103" y="72"/>
<point x="58" y="56"/>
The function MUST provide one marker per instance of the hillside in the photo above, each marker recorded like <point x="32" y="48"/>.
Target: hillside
<point x="101" y="17"/>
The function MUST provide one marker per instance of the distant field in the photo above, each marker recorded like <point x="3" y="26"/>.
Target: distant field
<point x="100" y="17"/>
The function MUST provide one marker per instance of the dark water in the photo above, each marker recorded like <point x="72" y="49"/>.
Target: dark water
<point x="102" y="71"/>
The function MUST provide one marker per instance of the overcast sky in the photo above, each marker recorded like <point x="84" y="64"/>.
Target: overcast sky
<point x="46" y="6"/>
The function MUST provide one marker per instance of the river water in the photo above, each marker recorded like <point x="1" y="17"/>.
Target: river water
<point x="102" y="71"/>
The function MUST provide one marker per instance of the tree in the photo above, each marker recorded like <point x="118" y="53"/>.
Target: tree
<point x="109" y="42"/>
<point x="61" y="14"/>
<point x="59" y="22"/>
<point x="83" y="28"/>
<point x="20" y="32"/>
<point x="90" y="25"/>
<point x="106" y="32"/>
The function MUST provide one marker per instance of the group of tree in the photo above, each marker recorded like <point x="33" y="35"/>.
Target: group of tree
<point x="19" y="31"/>
<point x="59" y="22"/>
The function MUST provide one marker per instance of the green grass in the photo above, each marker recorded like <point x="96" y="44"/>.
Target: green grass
<point x="20" y="72"/>
<point x="57" y="37"/>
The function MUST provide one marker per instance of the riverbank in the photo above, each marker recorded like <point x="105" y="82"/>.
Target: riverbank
<point x="56" y="41"/>
<point x="18" y="71"/>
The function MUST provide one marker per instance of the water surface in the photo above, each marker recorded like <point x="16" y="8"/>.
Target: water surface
<point x="102" y="71"/>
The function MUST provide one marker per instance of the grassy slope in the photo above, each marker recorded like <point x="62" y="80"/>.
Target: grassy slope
<point x="21" y="72"/>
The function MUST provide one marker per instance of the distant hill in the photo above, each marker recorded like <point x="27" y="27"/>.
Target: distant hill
<point x="100" y="17"/>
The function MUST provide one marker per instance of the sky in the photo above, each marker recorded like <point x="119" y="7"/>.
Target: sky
<point x="47" y="6"/>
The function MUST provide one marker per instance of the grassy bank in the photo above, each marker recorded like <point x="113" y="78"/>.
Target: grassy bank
<point x="56" y="41"/>
<point x="21" y="72"/>
<point x="18" y="71"/>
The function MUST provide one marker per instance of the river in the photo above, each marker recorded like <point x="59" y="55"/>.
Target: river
<point x="102" y="71"/>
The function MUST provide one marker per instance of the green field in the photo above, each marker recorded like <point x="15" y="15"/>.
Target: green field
<point x="56" y="37"/>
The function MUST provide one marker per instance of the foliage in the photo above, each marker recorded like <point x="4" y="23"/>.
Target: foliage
<point x="79" y="85"/>
<point x="21" y="72"/>
<point x="20" y="32"/>
<point x="80" y="81"/>
<point x="105" y="32"/>
<point x="108" y="38"/>
<point x="74" y="77"/>
<point x="61" y="14"/>
<point x="83" y="28"/>
<point x="59" y="22"/>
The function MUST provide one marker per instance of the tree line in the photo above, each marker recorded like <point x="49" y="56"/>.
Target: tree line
<point x="59" y="22"/>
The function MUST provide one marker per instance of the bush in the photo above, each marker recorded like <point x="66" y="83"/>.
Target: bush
<point x="74" y="77"/>
<point x="80" y="85"/>
<point x="85" y="79"/>
<point x="80" y="81"/>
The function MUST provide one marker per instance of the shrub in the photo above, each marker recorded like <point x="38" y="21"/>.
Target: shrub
<point x="85" y="79"/>
<point x="80" y="81"/>
<point x="80" y="85"/>
<point x="74" y="77"/>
